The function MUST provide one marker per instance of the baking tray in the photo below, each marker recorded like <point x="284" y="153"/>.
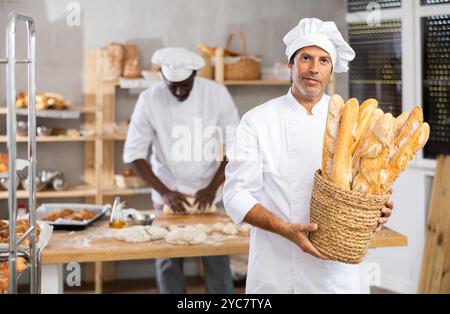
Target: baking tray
<point x="44" y="239"/>
<point x="65" y="224"/>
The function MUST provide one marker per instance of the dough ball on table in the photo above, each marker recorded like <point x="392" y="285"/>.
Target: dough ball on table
<point x="218" y="227"/>
<point x="173" y="227"/>
<point x="206" y="228"/>
<point x="156" y="233"/>
<point x="230" y="228"/>
<point x="135" y="234"/>
<point x="192" y="208"/>
<point x="186" y="236"/>
<point x="244" y="228"/>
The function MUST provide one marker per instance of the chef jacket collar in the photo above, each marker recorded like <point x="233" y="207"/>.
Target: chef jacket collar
<point x="319" y="108"/>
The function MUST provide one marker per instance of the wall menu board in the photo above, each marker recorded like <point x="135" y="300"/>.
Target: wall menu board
<point x="431" y="2"/>
<point x="363" y="5"/>
<point x="436" y="82"/>
<point x="376" y="71"/>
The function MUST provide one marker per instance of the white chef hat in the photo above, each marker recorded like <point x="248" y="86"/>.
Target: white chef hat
<point x="314" y="32"/>
<point x="177" y="64"/>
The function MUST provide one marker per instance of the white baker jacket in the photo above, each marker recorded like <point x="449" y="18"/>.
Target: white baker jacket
<point x="277" y="149"/>
<point x="184" y="136"/>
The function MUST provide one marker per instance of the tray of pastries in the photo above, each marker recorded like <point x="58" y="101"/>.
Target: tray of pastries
<point x="21" y="227"/>
<point x="22" y="264"/>
<point x="70" y="216"/>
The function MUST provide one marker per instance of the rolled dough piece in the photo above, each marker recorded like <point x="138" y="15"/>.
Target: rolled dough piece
<point x="192" y="209"/>
<point x="230" y="228"/>
<point x="208" y="229"/>
<point x="156" y="233"/>
<point x="244" y="228"/>
<point x="173" y="227"/>
<point x="135" y="234"/>
<point x="186" y="236"/>
<point x="218" y="226"/>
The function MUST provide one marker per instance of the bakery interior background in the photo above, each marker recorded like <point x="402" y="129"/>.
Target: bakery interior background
<point x="402" y="60"/>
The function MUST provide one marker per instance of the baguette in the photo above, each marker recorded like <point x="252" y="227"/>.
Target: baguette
<point x="335" y="107"/>
<point x="415" y="119"/>
<point x="377" y="114"/>
<point x="364" y="114"/>
<point x="341" y="174"/>
<point x="400" y="123"/>
<point x="374" y="156"/>
<point x="406" y="153"/>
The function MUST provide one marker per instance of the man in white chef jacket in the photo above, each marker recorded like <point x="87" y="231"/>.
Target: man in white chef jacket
<point x="272" y="161"/>
<point x="183" y="119"/>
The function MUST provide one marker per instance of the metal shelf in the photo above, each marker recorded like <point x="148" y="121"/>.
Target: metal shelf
<point x="75" y="191"/>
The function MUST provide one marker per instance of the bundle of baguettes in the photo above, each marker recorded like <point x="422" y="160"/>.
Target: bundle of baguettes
<point x="364" y="149"/>
<point x="364" y="152"/>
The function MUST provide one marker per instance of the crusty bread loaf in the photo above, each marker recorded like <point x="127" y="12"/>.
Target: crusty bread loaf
<point x="406" y="153"/>
<point x="335" y="107"/>
<point x="131" y="68"/>
<point x="374" y="156"/>
<point x="400" y="122"/>
<point x="377" y="114"/>
<point x="364" y="114"/>
<point x="415" y="119"/>
<point x="341" y="174"/>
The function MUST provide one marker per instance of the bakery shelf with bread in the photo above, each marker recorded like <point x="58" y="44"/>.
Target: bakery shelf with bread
<point x="364" y="151"/>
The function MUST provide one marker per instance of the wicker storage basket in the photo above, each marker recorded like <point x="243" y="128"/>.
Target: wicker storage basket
<point x="346" y="219"/>
<point x="243" y="67"/>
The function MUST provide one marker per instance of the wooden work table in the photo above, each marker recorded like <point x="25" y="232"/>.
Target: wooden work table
<point x="91" y="245"/>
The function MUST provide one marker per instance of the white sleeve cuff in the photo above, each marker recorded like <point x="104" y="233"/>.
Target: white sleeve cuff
<point x="130" y="155"/>
<point x="239" y="206"/>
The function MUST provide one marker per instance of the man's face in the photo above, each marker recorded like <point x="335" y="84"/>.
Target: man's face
<point x="181" y="90"/>
<point x="311" y="70"/>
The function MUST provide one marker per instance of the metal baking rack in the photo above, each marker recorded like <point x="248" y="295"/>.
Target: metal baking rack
<point x="11" y="61"/>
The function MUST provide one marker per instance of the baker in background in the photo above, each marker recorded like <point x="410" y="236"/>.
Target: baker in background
<point x="181" y="118"/>
<point x="269" y="177"/>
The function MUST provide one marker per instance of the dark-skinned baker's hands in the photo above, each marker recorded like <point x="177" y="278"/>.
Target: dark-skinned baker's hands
<point x="175" y="200"/>
<point x="386" y="212"/>
<point x="205" y="197"/>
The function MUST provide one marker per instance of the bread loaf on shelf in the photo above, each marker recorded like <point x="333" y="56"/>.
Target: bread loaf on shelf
<point x="341" y="174"/>
<point x="131" y="68"/>
<point x="335" y="107"/>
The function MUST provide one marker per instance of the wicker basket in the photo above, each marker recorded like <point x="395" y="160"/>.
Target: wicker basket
<point x="346" y="219"/>
<point x="243" y="67"/>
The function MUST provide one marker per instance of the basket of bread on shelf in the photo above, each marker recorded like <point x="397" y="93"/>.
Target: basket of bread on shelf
<point x="364" y="152"/>
<point x="43" y="101"/>
<point x="231" y="65"/>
